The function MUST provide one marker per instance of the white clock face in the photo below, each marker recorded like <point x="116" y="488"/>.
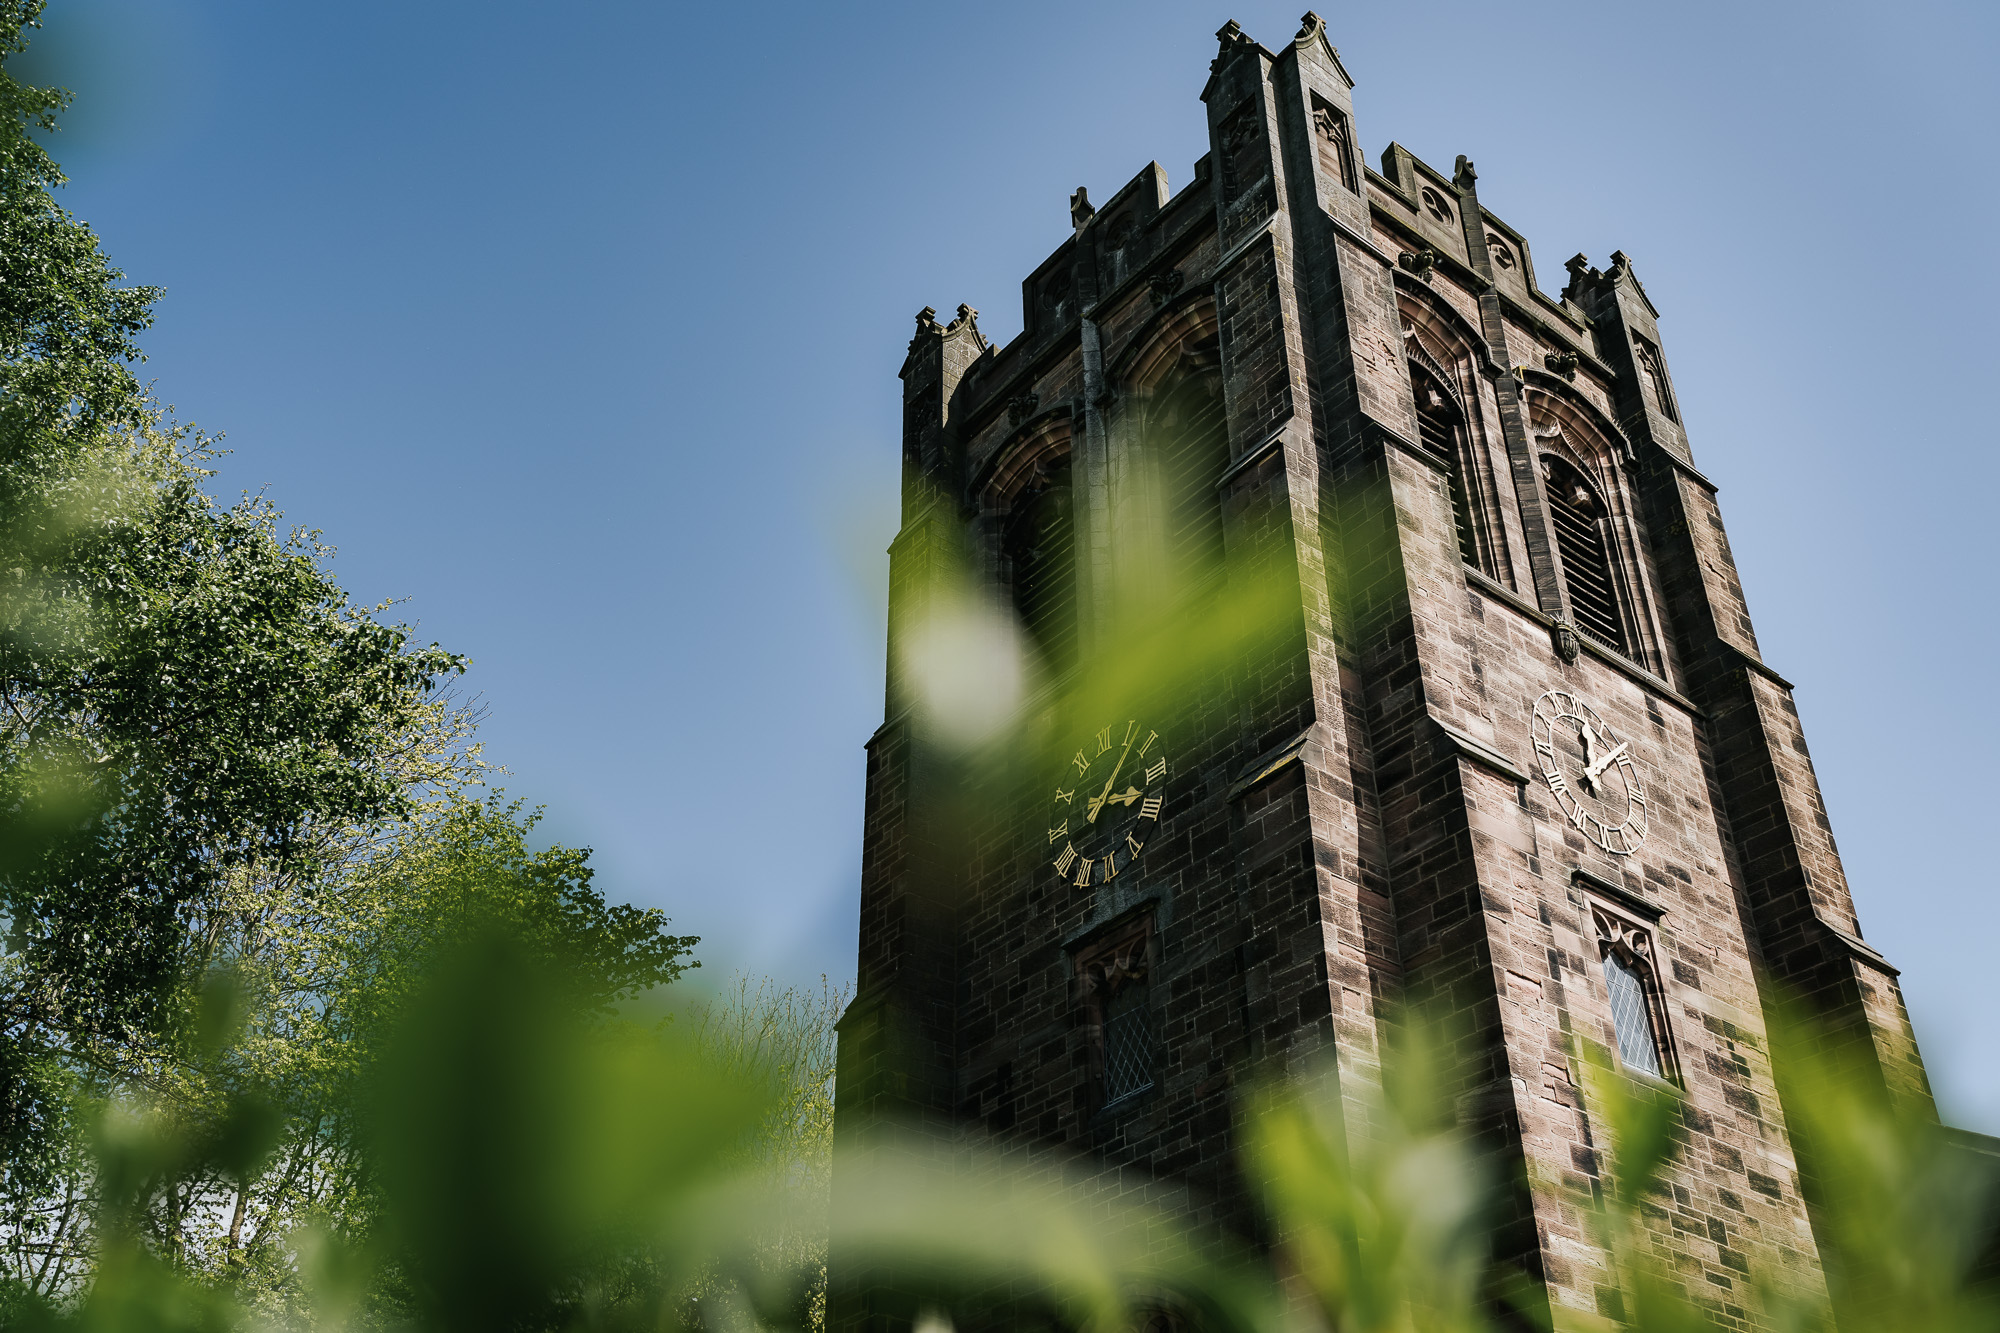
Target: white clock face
<point x="1591" y="772"/>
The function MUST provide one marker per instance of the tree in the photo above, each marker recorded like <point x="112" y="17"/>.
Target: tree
<point x="204" y="746"/>
<point x="261" y="1100"/>
<point x="186" y="696"/>
<point x="784" y="1038"/>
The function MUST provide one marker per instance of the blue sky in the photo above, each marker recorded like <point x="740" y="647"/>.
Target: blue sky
<point x="577" y="327"/>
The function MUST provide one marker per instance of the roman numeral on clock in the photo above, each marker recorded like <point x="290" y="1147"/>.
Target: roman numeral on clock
<point x="1151" y="736"/>
<point x="1082" y="764"/>
<point x="1157" y="770"/>
<point x="1082" y="880"/>
<point x="1104" y="740"/>
<point x="1068" y="856"/>
<point x="1056" y="833"/>
<point x="1149" y="808"/>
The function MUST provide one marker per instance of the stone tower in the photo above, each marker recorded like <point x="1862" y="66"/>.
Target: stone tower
<point x="1511" y="744"/>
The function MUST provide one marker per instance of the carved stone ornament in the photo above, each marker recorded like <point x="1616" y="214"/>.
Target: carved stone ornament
<point x="1616" y="935"/>
<point x="1231" y="37"/>
<point x="1435" y="205"/>
<point x="1503" y="253"/>
<point x="1311" y="25"/>
<point x="1336" y="143"/>
<point x="1562" y="363"/>
<point x="1022" y="406"/>
<point x="1463" y="175"/>
<point x="1165" y="286"/>
<point x="1567" y="647"/>
<point x="1581" y="277"/>
<point x="1244" y="161"/>
<point x="1080" y="209"/>
<point x="1420" y="262"/>
<point x="1109" y="973"/>
<point x="926" y="323"/>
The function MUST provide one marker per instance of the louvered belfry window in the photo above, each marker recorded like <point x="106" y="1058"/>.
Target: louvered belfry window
<point x="1578" y="515"/>
<point x="1192" y="441"/>
<point x="1041" y="555"/>
<point x="1441" y="430"/>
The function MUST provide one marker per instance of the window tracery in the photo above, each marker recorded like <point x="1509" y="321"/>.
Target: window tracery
<point x="1627" y="954"/>
<point x="1114" y="982"/>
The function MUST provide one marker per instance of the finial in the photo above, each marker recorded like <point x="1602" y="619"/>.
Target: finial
<point x="1463" y="175"/>
<point x="1581" y="275"/>
<point x="1231" y="35"/>
<point x="1080" y="210"/>
<point x="1310" y="26"/>
<point x="966" y="314"/>
<point x="927" y="318"/>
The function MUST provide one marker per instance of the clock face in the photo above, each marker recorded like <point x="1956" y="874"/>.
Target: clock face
<point x="1107" y="804"/>
<point x="1591" y="772"/>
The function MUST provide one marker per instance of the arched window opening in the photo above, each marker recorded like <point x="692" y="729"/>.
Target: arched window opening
<point x="1113" y="975"/>
<point x="1631" y="1015"/>
<point x="1040" y="546"/>
<point x="1638" y="1014"/>
<point x="1191" y="439"/>
<point x="1441" y="429"/>
<point x="1578" y="514"/>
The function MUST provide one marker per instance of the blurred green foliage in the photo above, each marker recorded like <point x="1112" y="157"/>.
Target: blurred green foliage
<point x="539" y="1166"/>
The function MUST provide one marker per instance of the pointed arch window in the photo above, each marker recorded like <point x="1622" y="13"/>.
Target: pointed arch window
<point x="1441" y="429"/>
<point x="1577" y="513"/>
<point x="1191" y="438"/>
<point x="1039" y="542"/>
<point x="1638" y="1010"/>
<point x="1114" y="982"/>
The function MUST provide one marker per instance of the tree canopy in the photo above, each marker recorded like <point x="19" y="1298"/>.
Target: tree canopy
<point x="217" y="775"/>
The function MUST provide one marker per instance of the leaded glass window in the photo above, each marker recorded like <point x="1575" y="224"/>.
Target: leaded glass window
<point x="1128" y="1044"/>
<point x="1631" y="1015"/>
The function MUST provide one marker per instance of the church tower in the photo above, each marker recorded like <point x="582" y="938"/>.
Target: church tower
<point x="1471" y="711"/>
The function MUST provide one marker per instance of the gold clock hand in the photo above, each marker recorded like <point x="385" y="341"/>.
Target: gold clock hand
<point x="1130" y="796"/>
<point x="1098" y="804"/>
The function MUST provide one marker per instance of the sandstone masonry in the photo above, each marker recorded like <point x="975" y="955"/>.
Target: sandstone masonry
<point x="1477" y="499"/>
